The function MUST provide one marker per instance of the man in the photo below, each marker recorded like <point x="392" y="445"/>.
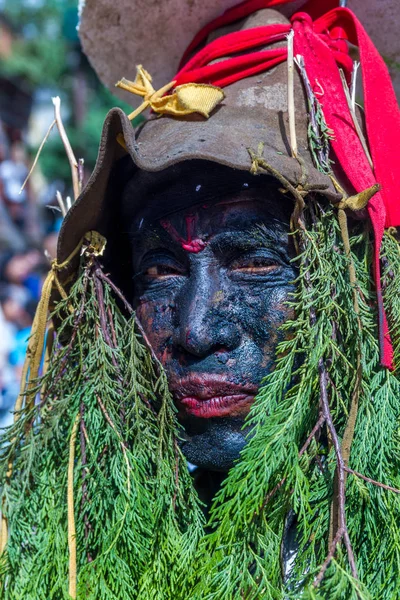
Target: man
<point x="246" y="254"/>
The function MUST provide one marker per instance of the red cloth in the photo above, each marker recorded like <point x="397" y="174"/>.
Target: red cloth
<point x="383" y="126"/>
<point x="321" y="34"/>
<point x="240" y="11"/>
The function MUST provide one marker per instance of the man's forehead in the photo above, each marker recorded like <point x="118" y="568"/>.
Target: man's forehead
<point x="191" y="185"/>
<point x="236" y="212"/>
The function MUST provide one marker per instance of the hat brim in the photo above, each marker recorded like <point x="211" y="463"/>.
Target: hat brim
<point x="159" y="146"/>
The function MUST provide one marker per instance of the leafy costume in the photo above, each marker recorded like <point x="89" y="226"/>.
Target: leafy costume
<point x="96" y="498"/>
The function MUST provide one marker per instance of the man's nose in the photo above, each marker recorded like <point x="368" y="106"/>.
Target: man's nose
<point x="206" y="323"/>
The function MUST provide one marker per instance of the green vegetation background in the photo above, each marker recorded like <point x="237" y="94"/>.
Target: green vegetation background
<point x="46" y="54"/>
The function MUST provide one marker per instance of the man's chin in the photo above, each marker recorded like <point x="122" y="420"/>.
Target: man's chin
<point x="213" y="444"/>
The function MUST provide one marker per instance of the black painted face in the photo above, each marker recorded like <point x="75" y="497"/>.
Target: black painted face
<point x="210" y="285"/>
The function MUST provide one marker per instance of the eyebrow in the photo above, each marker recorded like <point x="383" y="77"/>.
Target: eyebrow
<point x="258" y="236"/>
<point x="148" y="233"/>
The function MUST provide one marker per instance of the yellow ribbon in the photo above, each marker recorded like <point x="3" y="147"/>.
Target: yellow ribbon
<point x="186" y="99"/>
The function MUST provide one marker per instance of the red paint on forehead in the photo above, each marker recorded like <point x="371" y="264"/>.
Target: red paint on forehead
<point x="189" y="244"/>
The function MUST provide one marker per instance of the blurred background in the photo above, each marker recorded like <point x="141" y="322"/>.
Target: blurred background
<point x="40" y="57"/>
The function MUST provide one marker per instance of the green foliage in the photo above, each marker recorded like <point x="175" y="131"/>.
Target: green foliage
<point x="29" y="57"/>
<point x="139" y="527"/>
<point x="45" y="54"/>
<point x="136" y="512"/>
<point x="38" y="57"/>
<point x="275" y="477"/>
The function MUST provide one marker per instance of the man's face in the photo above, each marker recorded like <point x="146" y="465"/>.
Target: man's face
<point x="211" y="282"/>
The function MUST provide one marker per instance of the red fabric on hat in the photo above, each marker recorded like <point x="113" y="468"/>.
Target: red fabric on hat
<point x="240" y="11"/>
<point x="383" y="126"/>
<point x="237" y="41"/>
<point x="315" y="8"/>
<point x="234" y="69"/>
<point x="382" y="114"/>
<point x="323" y="44"/>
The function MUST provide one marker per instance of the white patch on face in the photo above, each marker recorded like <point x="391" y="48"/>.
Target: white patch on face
<point x="272" y="97"/>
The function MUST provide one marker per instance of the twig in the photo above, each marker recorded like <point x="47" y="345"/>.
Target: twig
<point x="37" y="156"/>
<point x="291" y="107"/>
<point x="129" y="308"/>
<point x="61" y="204"/>
<point x="342" y="531"/>
<point x="176" y="473"/>
<point x="272" y="493"/>
<point x="317" y="427"/>
<point x="318" y="133"/>
<point x="123" y="447"/>
<point x="113" y="333"/>
<point x="116" y="290"/>
<point x="71" y="516"/>
<point x="68" y="149"/>
<point x="389" y="488"/>
<point x="83" y="437"/>
<point x="355" y="120"/>
<point x="81" y="172"/>
<point x="331" y="553"/>
<point x="353" y="86"/>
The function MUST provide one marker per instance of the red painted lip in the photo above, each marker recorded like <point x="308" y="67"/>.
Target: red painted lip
<point x="208" y="396"/>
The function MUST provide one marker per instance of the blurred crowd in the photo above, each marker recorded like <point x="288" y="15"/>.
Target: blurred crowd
<point x="28" y="238"/>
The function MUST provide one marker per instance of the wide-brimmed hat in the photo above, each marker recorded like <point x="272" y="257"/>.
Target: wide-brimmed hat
<point x="253" y="111"/>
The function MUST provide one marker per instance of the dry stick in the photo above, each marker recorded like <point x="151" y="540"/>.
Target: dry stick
<point x="353" y="86"/>
<point x="67" y="146"/>
<point x="355" y="120"/>
<point x="71" y="516"/>
<point x="61" y="204"/>
<point x="83" y="436"/>
<point x="291" y="108"/>
<point x="389" y="488"/>
<point x="37" y="156"/>
<point x="348" y="435"/>
<point x="129" y="308"/>
<point x="342" y="531"/>
<point x="81" y="172"/>
<point x="332" y="550"/>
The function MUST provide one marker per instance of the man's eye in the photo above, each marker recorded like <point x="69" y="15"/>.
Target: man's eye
<point x="255" y="266"/>
<point x="161" y="272"/>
